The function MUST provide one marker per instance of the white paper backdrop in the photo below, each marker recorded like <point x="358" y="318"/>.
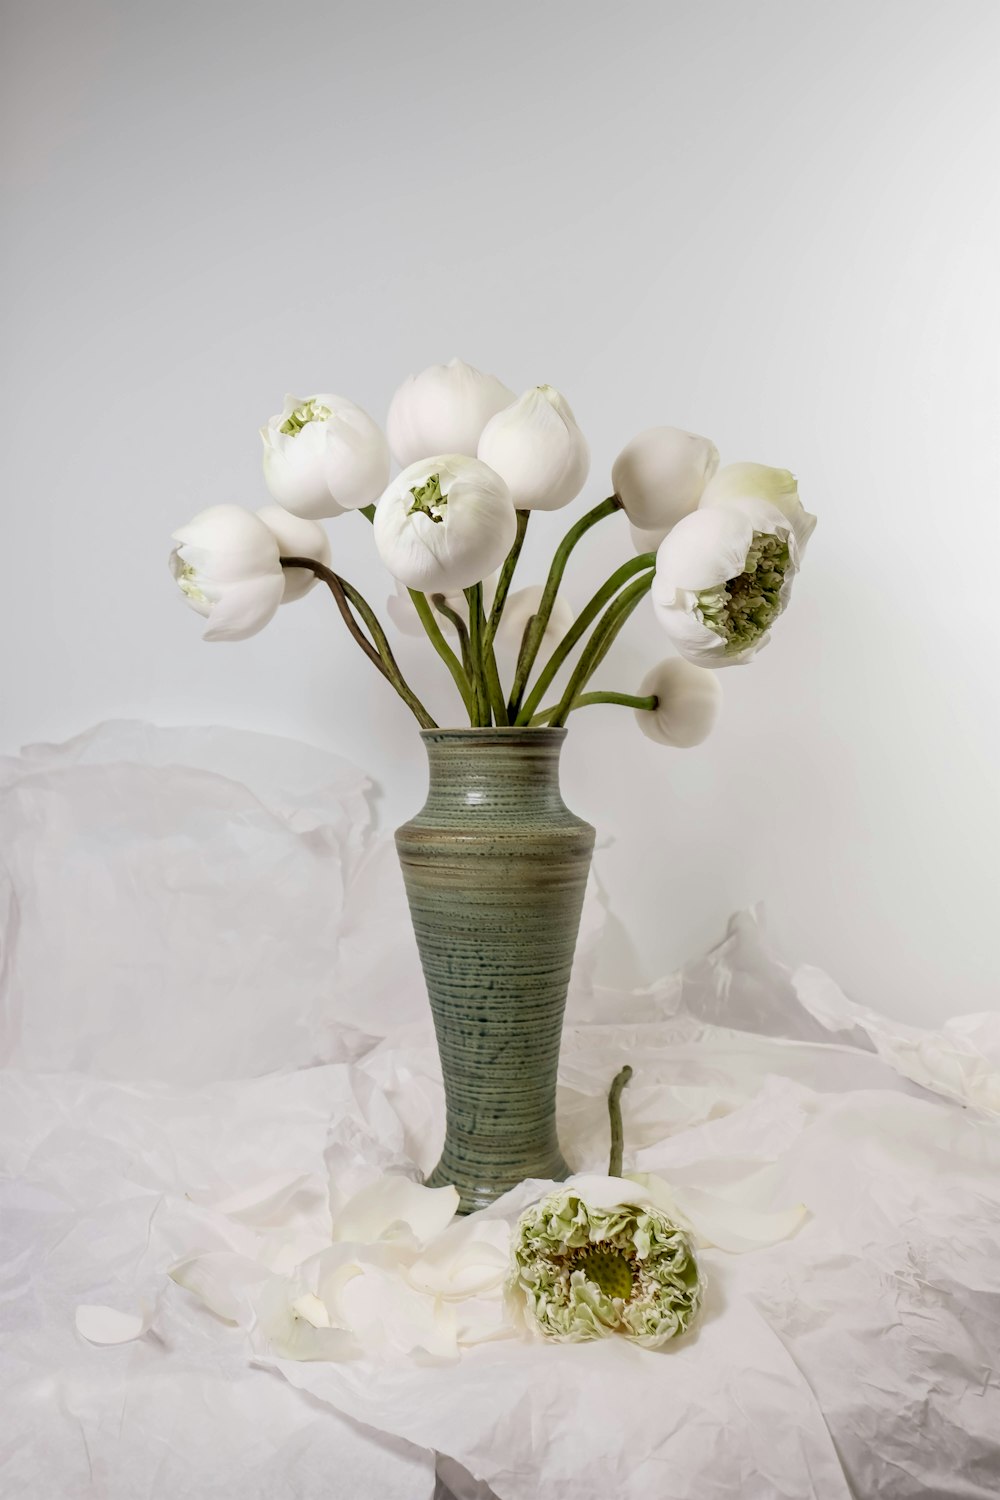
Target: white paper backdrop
<point x="225" y="1034"/>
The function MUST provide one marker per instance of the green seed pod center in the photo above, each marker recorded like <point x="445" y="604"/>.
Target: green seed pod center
<point x="608" y="1269"/>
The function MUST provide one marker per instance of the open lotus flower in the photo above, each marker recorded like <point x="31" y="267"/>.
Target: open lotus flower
<point x="323" y="456"/>
<point x="296" y="538"/>
<point x="226" y="566"/>
<point x="723" y="576"/>
<point x="596" y="1258"/>
<point x="759" y="482"/>
<point x="518" y="610"/>
<point x="688" y="702"/>
<point x="536" y="446"/>
<point x="443" y="410"/>
<point x="444" y="524"/>
<point x="660" y="475"/>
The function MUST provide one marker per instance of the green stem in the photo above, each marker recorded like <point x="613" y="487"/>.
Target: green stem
<point x="627" y="700"/>
<point x="615" y="1115"/>
<point x="474" y="598"/>
<point x="447" y="655"/>
<point x="536" y="626"/>
<point x="506" y="576"/>
<point x="600" y="644"/>
<point x="381" y="652"/>
<point x="442" y="606"/>
<point x="580" y="624"/>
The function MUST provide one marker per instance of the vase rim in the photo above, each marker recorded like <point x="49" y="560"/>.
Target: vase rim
<point x="496" y="732"/>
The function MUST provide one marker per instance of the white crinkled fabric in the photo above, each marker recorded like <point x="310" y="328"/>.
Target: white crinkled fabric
<point x="213" y="1043"/>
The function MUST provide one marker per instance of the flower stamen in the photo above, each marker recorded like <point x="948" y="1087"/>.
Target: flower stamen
<point x="745" y="606"/>
<point x="309" y="411"/>
<point x="428" y="499"/>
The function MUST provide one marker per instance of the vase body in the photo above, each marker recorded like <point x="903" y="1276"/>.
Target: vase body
<point x="495" y="867"/>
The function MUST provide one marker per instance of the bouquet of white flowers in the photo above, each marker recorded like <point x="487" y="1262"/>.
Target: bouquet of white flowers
<point x="717" y="548"/>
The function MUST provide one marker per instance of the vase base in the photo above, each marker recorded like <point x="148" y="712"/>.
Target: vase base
<point x="475" y="1194"/>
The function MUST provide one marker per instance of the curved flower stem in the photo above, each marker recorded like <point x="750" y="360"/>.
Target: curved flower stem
<point x="627" y="700"/>
<point x="615" y="1113"/>
<point x="380" y="654"/>
<point x="447" y="655"/>
<point x="577" y="629"/>
<point x="442" y="606"/>
<point x="506" y="576"/>
<point x="536" y="625"/>
<point x="600" y="644"/>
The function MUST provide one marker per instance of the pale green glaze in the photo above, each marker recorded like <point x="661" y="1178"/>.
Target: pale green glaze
<point x="495" y="867"/>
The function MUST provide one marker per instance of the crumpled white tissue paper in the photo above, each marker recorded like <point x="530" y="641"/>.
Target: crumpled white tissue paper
<point x="216" y="1036"/>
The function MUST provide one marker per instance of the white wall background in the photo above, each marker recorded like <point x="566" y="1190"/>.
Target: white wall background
<point x="774" y="223"/>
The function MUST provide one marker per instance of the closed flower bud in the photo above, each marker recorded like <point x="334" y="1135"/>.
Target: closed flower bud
<point x="296" y="538"/>
<point x="536" y="446"/>
<point x="723" y="576"/>
<point x="688" y="702"/>
<point x="226" y="566"/>
<point x="660" y="475"/>
<point x="443" y="410"/>
<point x="323" y="456"/>
<point x="444" y="524"/>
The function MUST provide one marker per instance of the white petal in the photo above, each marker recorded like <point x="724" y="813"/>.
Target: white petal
<point x="647" y="541"/>
<point x="394" y="1204"/>
<point x="331" y="465"/>
<point x="228" y="543"/>
<point x="244" y="608"/>
<point x="296" y="537"/>
<point x="718" y="1221"/>
<point x="108" y="1325"/>
<point x="443" y="410"/>
<point x="690" y="699"/>
<point x="224" y="1281"/>
<point x="536" y="446"/>
<point x="469" y="1258"/>
<point x="746" y="481"/>
<point x="660" y="475"/>
<point x="704" y="549"/>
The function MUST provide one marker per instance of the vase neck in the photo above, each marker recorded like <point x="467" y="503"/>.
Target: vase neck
<point x="512" y="773"/>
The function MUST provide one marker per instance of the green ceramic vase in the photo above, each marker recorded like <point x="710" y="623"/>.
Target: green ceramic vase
<point x="495" y="867"/>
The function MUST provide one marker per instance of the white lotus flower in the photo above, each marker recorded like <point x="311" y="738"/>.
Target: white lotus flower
<point x="536" y="446"/>
<point x="226" y="566"/>
<point x="745" y="481"/>
<point x="443" y="410"/>
<point x="323" y="456"/>
<point x="689" y="700"/>
<point x="444" y="523"/>
<point x="400" y="608"/>
<point x="660" y="475"/>
<point x="519" y="609"/>
<point x="296" y="537"/>
<point x="723" y="576"/>
<point x="597" y="1257"/>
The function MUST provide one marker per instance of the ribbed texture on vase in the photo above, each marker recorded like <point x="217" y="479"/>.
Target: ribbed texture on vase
<point x="495" y="867"/>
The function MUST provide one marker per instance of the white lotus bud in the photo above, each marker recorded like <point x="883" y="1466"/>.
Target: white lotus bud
<point x="444" y="524"/>
<point x="518" y="611"/>
<point x="296" y="537"/>
<point x="536" y="446"/>
<point x="723" y="576"/>
<point x="759" y="482"/>
<point x="323" y="456"/>
<point x="646" y="541"/>
<point x="226" y="566"/>
<point x="660" y="475"/>
<point x="443" y="410"/>
<point x="688" y="702"/>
